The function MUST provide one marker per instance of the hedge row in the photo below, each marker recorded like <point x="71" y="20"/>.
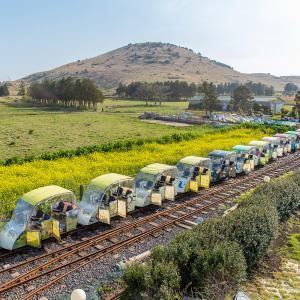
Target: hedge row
<point x="214" y="258"/>
<point x="129" y="144"/>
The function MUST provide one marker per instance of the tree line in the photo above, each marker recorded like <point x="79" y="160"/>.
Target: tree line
<point x="182" y="90"/>
<point x="157" y="91"/>
<point x="67" y="92"/>
<point x="257" y="89"/>
<point x="241" y="100"/>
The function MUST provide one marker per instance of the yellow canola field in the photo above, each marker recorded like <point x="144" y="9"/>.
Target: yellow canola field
<point x="15" y="180"/>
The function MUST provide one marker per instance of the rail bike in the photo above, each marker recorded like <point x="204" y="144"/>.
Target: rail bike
<point x="51" y="211"/>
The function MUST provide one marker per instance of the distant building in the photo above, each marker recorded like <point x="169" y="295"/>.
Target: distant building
<point x="273" y="103"/>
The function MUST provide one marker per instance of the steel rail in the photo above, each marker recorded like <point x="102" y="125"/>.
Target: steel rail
<point x="106" y="235"/>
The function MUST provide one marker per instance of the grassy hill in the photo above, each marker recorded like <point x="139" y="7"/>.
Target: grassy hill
<point x="155" y="62"/>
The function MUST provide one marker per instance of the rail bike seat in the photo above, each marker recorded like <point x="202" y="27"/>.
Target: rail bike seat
<point x="204" y="171"/>
<point x="59" y="208"/>
<point x="39" y="215"/>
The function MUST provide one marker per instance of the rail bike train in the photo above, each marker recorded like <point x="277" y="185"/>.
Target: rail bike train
<point x="51" y="211"/>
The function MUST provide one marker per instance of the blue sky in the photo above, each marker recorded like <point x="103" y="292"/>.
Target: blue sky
<point x="251" y="36"/>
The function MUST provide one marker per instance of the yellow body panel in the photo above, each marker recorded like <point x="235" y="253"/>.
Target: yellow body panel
<point x="122" y="208"/>
<point x="130" y="204"/>
<point x="193" y="186"/>
<point x="248" y="167"/>
<point x="204" y="181"/>
<point x="170" y="192"/>
<point x="46" y="229"/>
<point x="71" y="223"/>
<point x="113" y="208"/>
<point x="156" y="199"/>
<point x="104" y="215"/>
<point x="34" y="238"/>
<point x="55" y="229"/>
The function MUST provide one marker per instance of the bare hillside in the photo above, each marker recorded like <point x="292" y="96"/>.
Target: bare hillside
<point x="155" y="62"/>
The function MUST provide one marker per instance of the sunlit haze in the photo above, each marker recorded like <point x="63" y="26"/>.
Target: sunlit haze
<point x="251" y="36"/>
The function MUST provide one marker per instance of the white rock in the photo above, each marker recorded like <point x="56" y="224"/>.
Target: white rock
<point x="78" y="294"/>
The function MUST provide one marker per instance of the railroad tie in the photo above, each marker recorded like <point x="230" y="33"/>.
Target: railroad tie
<point x="99" y="247"/>
<point x="153" y="224"/>
<point x="183" y="226"/>
<point x="190" y="208"/>
<point x="156" y="234"/>
<point x="181" y="212"/>
<point x="128" y="234"/>
<point x="172" y="216"/>
<point x="142" y="229"/>
<point x="113" y="240"/>
<point x="191" y="222"/>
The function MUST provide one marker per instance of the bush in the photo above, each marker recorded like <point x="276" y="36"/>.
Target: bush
<point x="134" y="277"/>
<point x="211" y="260"/>
<point x="218" y="270"/>
<point x="253" y="228"/>
<point x="162" y="280"/>
<point x="281" y="193"/>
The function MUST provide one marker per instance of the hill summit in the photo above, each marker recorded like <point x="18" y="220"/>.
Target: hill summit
<point x="155" y="62"/>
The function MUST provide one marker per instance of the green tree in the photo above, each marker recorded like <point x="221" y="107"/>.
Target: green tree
<point x="210" y="101"/>
<point x="121" y="90"/>
<point x="297" y="105"/>
<point x="4" y="90"/>
<point x="257" y="108"/>
<point x="290" y="88"/>
<point x="241" y="101"/>
<point x="22" y="91"/>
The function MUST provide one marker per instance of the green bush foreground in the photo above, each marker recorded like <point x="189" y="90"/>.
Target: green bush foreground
<point x="215" y="257"/>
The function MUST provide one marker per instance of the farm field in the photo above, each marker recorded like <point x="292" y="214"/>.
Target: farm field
<point x="26" y="130"/>
<point x="70" y="173"/>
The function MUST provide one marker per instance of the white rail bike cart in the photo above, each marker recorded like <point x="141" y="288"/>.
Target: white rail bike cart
<point x="194" y="173"/>
<point x="40" y="214"/>
<point x="262" y="151"/>
<point x="275" y="146"/>
<point x="107" y="196"/>
<point x="285" y="142"/>
<point x="223" y="164"/>
<point x="155" y="183"/>
<point x="246" y="158"/>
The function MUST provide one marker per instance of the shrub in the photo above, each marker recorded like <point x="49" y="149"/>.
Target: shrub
<point x="218" y="270"/>
<point x="134" y="277"/>
<point x="282" y="193"/>
<point x="211" y="260"/>
<point x="162" y="280"/>
<point x="253" y="228"/>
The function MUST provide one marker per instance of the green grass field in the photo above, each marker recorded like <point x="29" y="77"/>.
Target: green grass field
<point x="26" y="130"/>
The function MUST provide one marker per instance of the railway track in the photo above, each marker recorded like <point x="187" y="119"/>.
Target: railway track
<point x="58" y="264"/>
